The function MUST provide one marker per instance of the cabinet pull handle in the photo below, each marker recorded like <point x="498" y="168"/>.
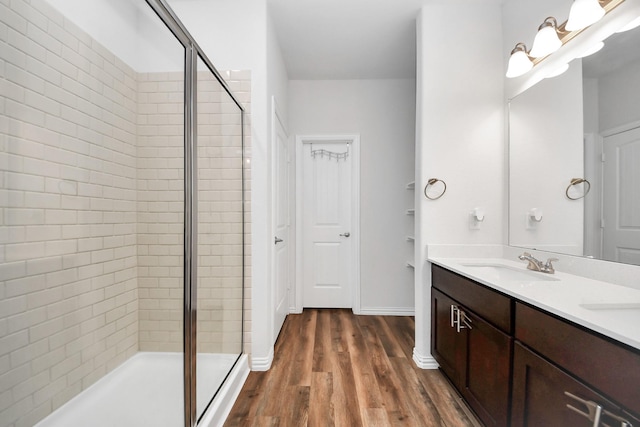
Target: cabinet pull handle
<point x="595" y="410"/>
<point x="623" y="422"/>
<point x="466" y="321"/>
<point x="455" y="317"/>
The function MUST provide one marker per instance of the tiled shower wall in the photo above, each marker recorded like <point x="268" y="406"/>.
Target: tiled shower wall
<point x="160" y="213"/>
<point x="77" y="238"/>
<point x="69" y="290"/>
<point x="160" y="210"/>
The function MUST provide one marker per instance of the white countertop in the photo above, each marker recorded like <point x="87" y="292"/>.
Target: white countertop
<point x="609" y="309"/>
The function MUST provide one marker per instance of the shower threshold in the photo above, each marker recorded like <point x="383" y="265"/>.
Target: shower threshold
<point x="146" y="390"/>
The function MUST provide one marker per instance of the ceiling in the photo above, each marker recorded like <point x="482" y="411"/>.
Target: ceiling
<point x="347" y="39"/>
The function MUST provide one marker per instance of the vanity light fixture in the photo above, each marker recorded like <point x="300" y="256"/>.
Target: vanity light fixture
<point x="519" y="61"/>
<point x="546" y="40"/>
<point x="593" y="49"/>
<point x="584" y="13"/>
<point x="551" y="36"/>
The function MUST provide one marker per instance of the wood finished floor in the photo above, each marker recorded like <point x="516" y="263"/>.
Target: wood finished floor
<point x="332" y="368"/>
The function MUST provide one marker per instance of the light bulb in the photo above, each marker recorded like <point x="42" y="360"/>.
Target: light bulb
<point x="546" y="40"/>
<point x="584" y="13"/>
<point x="519" y="62"/>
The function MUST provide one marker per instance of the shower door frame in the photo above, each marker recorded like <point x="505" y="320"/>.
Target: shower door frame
<point x="192" y="53"/>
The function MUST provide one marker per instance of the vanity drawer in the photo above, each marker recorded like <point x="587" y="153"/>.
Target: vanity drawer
<point x="491" y="305"/>
<point x="611" y="368"/>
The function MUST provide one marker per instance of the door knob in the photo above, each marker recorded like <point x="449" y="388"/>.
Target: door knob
<point x="277" y="241"/>
<point x="347" y="234"/>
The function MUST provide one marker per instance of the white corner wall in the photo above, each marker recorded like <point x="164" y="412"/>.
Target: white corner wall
<point x="460" y="137"/>
<point x="383" y="113"/>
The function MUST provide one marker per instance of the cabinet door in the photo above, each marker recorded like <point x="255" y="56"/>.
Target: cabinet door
<point x="446" y="343"/>
<point x="539" y="397"/>
<point x="487" y="370"/>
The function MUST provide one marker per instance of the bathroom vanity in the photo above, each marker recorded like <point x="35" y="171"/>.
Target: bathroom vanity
<point x="523" y="349"/>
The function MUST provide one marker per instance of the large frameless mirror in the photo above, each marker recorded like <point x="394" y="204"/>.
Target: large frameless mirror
<point x="574" y="153"/>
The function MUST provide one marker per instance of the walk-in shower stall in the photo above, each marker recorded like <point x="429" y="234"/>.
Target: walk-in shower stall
<point x="121" y="217"/>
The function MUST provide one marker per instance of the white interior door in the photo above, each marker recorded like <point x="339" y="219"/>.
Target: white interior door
<point x="621" y="240"/>
<point x="281" y="225"/>
<point x="327" y="237"/>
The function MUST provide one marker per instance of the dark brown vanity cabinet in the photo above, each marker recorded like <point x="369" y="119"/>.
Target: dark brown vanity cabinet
<point x="543" y="395"/>
<point x="471" y="351"/>
<point x="571" y="367"/>
<point x="517" y="365"/>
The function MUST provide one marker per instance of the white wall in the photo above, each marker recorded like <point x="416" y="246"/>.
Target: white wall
<point x="619" y="92"/>
<point x="383" y="113"/>
<point x="460" y="136"/>
<point x="141" y="39"/>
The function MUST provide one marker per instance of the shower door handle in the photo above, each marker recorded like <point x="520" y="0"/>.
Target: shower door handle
<point x="277" y="240"/>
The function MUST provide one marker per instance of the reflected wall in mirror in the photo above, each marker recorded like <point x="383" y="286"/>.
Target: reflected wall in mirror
<point x="583" y="124"/>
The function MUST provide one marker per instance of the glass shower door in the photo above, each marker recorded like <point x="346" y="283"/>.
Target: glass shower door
<point x="220" y="235"/>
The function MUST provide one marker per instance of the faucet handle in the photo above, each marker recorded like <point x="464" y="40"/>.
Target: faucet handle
<point x="548" y="266"/>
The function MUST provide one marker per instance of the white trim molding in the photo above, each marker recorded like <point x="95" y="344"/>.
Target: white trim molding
<point x="424" y="362"/>
<point x="387" y="311"/>
<point x="219" y="410"/>
<point x="262" y="363"/>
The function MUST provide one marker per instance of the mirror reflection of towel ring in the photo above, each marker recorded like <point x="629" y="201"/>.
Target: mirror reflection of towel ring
<point x="433" y="181"/>
<point x="578" y="181"/>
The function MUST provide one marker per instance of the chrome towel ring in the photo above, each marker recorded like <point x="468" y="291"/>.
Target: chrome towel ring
<point x="578" y="181"/>
<point x="431" y="182"/>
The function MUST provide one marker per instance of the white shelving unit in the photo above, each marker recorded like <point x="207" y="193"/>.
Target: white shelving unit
<point x="411" y="239"/>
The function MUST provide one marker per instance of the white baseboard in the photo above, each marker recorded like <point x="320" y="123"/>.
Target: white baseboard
<point x="424" y="362"/>
<point x="219" y="410"/>
<point x="387" y="311"/>
<point x="262" y="363"/>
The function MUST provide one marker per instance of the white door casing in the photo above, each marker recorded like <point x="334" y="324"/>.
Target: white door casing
<point x="621" y="237"/>
<point x="281" y="222"/>
<point x="328" y="221"/>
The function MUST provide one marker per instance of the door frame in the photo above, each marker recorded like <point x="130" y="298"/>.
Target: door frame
<point x="276" y="118"/>
<point x="354" y="140"/>
<point x="605" y="222"/>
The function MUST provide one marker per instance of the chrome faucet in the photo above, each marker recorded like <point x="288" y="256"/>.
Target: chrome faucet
<point x="537" y="265"/>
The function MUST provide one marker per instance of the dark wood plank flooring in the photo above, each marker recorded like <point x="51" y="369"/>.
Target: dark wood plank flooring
<point x="332" y="368"/>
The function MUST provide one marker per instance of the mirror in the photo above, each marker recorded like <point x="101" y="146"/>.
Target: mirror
<point x="574" y="157"/>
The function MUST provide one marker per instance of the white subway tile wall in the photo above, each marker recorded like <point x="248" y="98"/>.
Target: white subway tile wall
<point x="220" y="222"/>
<point x="91" y="214"/>
<point x="160" y="210"/>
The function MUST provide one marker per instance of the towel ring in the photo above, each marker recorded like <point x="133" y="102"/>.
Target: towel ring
<point x="577" y="181"/>
<point x="433" y="181"/>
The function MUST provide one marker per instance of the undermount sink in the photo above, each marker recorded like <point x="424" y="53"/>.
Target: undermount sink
<point x="508" y="273"/>
<point x="611" y="305"/>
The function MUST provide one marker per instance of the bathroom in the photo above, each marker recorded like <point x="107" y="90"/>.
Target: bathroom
<point x="441" y="114"/>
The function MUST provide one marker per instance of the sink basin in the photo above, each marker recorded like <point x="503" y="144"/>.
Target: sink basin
<point x="611" y="306"/>
<point x="508" y="273"/>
